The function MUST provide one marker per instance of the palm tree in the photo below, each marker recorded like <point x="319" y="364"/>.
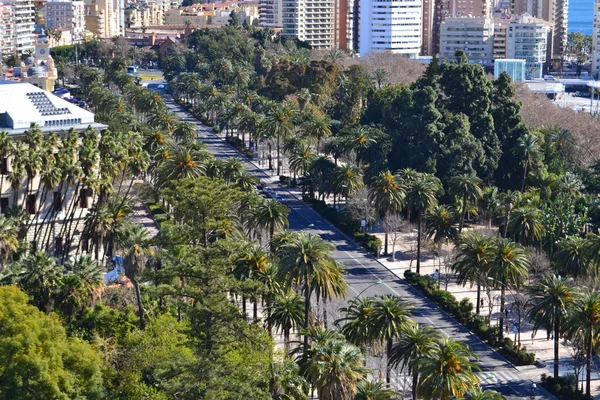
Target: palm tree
<point x="467" y="188"/>
<point x="301" y="159"/>
<point x="489" y="204"/>
<point x="388" y="195"/>
<point x="271" y="215"/>
<point x="447" y="370"/>
<point x="346" y="180"/>
<point x="592" y="251"/>
<point x="374" y="390"/>
<point x="508" y="266"/>
<point x="413" y="343"/>
<point x="388" y="319"/>
<point x="181" y="164"/>
<point x="422" y="197"/>
<point x="134" y="241"/>
<point x="552" y="298"/>
<point x="9" y="239"/>
<point x="356" y="322"/>
<point x="302" y="258"/>
<point x="335" y="370"/>
<point x="571" y="258"/>
<point x="477" y="393"/>
<point x="286" y="382"/>
<point x="40" y="276"/>
<point x="528" y="148"/>
<point x="584" y="323"/>
<point x="440" y="225"/>
<point x="473" y="261"/>
<point x="279" y="123"/>
<point x="525" y="225"/>
<point x="286" y="313"/>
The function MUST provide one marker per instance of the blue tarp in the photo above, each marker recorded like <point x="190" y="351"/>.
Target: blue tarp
<point x="114" y="274"/>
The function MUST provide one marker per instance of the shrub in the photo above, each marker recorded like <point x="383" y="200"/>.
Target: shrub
<point x="564" y="387"/>
<point x="517" y="357"/>
<point x="238" y="145"/>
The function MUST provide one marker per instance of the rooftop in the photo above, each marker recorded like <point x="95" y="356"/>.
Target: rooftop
<point x="22" y="104"/>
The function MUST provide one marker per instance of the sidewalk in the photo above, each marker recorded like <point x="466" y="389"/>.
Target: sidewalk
<point x="542" y="344"/>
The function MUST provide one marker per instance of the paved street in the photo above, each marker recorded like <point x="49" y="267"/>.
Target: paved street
<point x="363" y="271"/>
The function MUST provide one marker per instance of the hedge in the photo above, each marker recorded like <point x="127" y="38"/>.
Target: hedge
<point x="564" y="387"/>
<point x="463" y="312"/>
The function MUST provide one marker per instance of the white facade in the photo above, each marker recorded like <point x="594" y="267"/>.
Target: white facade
<point x="7" y="36"/>
<point x="66" y="14"/>
<point x="527" y="39"/>
<point x="393" y="26"/>
<point x="310" y="20"/>
<point x="23" y="24"/>
<point x="596" y="41"/>
<point x="270" y="13"/>
<point x="474" y="36"/>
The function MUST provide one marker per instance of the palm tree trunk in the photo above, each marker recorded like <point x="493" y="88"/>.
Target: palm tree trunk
<point x="524" y="177"/>
<point x="306" y="311"/>
<point x="138" y="297"/>
<point x="278" y="158"/>
<point x="255" y="309"/>
<point x="462" y="214"/>
<point x="325" y="312"/>
<point x="388" y="367"/>
<point x="556" y="344"/>
<point x="415" y="382"/>
<point x="286" y="341"/>
<point x="244" y="306"/>
<point x="419" y="244"/>
<point x="385" y="240"/>
<point x="501" y="317"/>
<point x="478" y="298"/>
<point x="590" y="349"/>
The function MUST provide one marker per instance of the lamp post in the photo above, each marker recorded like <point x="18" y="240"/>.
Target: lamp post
<point x="368" y="287"/>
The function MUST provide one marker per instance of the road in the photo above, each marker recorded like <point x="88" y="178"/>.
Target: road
<point x="363" y="271"/>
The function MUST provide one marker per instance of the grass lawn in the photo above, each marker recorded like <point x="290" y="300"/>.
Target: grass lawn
<point x="150" y="76"/>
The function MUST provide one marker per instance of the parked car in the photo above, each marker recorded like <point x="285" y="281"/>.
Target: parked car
<point x="549" y="78"/>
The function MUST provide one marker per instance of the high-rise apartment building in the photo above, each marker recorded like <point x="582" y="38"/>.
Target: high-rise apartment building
<point x="66" y="14"/>
<point x="313" y="21"/>
<point x="474" y="36"/>
<point x="527" y="40"/>
<point x="7" y="36"/>
<point x="22" y="25"/>
<point x="394" y="25"/>
<point x="270" y="13"/>
<point x="556" y="12"/>
<point x="435" y="13"/>
<point x="101" y="18"/>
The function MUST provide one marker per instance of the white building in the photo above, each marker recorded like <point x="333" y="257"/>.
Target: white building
<point x="7" y="36"/>
<point x="393" y="26"/>
<point x="66" y="14"/>
<point x="527" y="39"/>
<point x="474" y="36"/>
<point x="23" y="24"/>
<point x="270" y="13"/>
<point x="310" y="20"/>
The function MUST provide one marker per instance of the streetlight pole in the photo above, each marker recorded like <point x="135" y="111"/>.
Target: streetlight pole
<point x="368" y="287"/>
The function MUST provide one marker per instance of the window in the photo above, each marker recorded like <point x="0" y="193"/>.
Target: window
<point x="31" y="206"/>
<point x="4" y="205"/>
<point x="84" y="198"/>
<point x="57" y="201"/>
<point x="4" y="166"/>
